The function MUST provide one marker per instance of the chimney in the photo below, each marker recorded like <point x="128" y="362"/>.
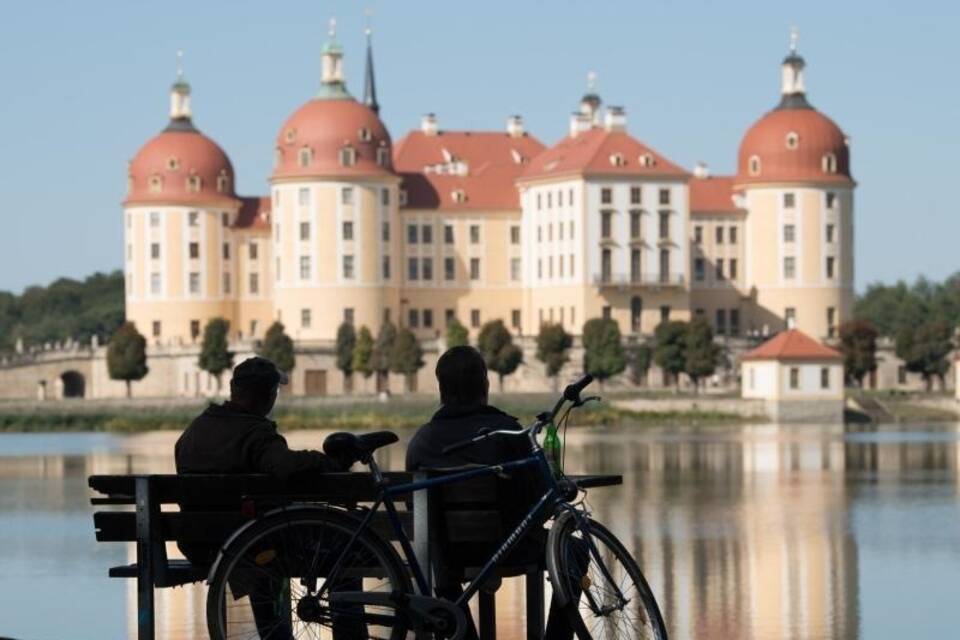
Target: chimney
<point x="615" y="119"/>
<point x="515" y="126"/>
<point x="428" y="124"/>
<point x="701" y="170"/>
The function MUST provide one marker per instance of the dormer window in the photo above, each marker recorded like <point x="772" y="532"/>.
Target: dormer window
<point x="193" y="184"/>
<point x="459" y="195"/>
<point x="829" y="163"/>
<point x="517" y="156"/>
<point x="616" y="159"/>
<point x="792" y="140"/>
<point x="364" y="134"/>
<point x="348" y="156"/>
<point x="290" y="135"/>
<point x="173" y="163"/>
<point x="305" y="157"/>
<point x="223" y="182"/>
<point x="155" y="184"/>
<point x="402" y="197"/>
<point x="383" y="156"/>
<point x="646" y="160"/>
<point x="753" y="165"/>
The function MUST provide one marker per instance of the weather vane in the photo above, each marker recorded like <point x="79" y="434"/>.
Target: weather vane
<point x="367" y="13"/>
<point x="179" y="63"/>
<point x="591" y="80"/>
<point x="794" y="36"/>
<point x="333" y="28"/>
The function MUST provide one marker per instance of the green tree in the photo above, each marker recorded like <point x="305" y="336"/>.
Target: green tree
<point x="127" y="355"/>
<point x="603" y="355"/>
<point x="457" y="335"/>
<point x="495" y="344"/>
<point x="215" y="355"/>
<point x="381" y="355"/>
<point x="858" y="343"/>
<point x="406" y="356"/>
<point x="924" y="350"/>
<point x="668" y="351"/>
<point x="553" y="345"/>
<point x="639" y="359"/>
<point x="363" y="353"/>
<point x="700" y="353"/>
<point x="277" y="347"/>
<point x="346" y="341"/>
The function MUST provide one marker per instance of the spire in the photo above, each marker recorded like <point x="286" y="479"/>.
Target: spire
<point x="180" y="112"/>
<point x="792" y="90"/>
<point x="369" y="84"/>
<point x="332" y="84"/>
<point x="590" y="102"/>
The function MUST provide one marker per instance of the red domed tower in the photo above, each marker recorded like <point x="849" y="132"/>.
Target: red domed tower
<point x="794" y="172"/>
<point x="335" y="210"/>
<point x="180" y="203"/>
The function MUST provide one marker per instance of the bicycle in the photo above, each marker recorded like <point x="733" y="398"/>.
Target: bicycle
<point x="321" y="570"/>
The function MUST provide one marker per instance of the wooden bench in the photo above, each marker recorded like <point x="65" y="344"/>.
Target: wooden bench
<point x="217" y="505"/>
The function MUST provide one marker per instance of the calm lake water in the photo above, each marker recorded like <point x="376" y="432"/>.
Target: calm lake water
<point x="754" y="532"/>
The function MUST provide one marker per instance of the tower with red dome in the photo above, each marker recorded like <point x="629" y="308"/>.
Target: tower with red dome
<point x="178" y="211"/>
<point x="793" y="174"/>
<point x="335" y="211"/>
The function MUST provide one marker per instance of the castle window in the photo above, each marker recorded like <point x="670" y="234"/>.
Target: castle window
<point x="792" y="140"/>
<point x="348" y="156"/>
<point x="173" y="163"/>
<point x="617" y="160"/>
<point x="753" y="165"/>
<point x="346" y="195"/>
<point x="789" y="201"/>
<point x="223" y="182"/>
<point x="193" y="219"/>
<point x="226" y="283"/>
<point x="193" y="184"/>
<point x="194" y="281"/>
<point x="155" y="184"/>
<point x="305" y="157"/>
<point x="606" y="195"/>
<point x="664" y="196"/>
<point x="364" y="134"/>
<point x="829" y="163"/>
<point x="459" y="195"/>
<point x="290" y="135"/>
<point x="402" y="197"/>
<point x="383" y="156"/>
<point x="635" y="193"/>
<point x="155" y="283"/>
<point x="646" y="160"/>
<point x="154" y="218"/>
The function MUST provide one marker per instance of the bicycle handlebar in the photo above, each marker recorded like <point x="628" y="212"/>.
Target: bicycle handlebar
<point x="571" y="394"/>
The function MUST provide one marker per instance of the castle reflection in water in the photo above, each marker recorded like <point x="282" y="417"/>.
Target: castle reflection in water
<point x="743" y="532"/>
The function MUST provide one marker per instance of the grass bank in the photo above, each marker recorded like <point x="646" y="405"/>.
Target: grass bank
<point x="299" y="413"/>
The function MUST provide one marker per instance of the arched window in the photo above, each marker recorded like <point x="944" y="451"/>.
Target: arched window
<point x="636" y="311"/>
<point x="223" y="182"/>
<point x="646" y="160"/>
<point x="364" y="134"/>
<point x="753" y="165"/>
<point x="305" y="157"/>
<point x="459" y="195"/>
<point x="348" y="156"/>
<point x="290" y="135"/>
<point x="616" y="159"/>
<point x="155" y="184"/>
<point x="193" y="184"/>
<point x="829" y="163"/>
<point x="793" y="140"/>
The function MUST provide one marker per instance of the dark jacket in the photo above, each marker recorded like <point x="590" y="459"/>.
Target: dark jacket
<point x="516" y="495"/>
<point x="227" y="439"/>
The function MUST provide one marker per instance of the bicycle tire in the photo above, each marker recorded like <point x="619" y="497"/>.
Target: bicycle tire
<point x="266" y="556"/>
<point x="639" y="620"/>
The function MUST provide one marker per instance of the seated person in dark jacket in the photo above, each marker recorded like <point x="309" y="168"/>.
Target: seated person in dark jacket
<point x="464" y="387"/>
<point x="238" y="437"/>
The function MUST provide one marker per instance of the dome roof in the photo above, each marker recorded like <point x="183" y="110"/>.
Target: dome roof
<point x="181" y="166"/>
<point x="333" y="137"/>
<point x="794" y="143"/>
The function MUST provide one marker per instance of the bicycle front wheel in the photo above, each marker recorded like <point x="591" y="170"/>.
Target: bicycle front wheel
<point x="258" y="588"/>
<point x="605" y="591"/>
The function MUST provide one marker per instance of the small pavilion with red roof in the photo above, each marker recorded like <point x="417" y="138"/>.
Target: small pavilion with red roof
<point x="800" y="379"/>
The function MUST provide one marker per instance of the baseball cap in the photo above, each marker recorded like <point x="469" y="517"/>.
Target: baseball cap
<point x="259" y="369"/>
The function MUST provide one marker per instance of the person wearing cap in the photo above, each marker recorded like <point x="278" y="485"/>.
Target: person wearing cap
<point x="239" y="437"/>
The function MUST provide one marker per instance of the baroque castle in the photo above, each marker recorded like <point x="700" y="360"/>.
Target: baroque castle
<point x="483" y="225"/>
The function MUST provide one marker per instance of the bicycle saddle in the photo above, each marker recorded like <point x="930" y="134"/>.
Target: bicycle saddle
<point x="353" y="447"/>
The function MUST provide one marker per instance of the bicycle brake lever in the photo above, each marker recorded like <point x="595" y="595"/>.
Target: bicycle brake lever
<point x="588" y="399"/>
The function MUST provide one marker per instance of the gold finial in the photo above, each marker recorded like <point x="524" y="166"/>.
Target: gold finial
<point x="591" y="81"/>
<point x="367" y="14"/>
<point x="332" y="31"/>
<point x="179" y="64"/>
<point x="794" y="36"/>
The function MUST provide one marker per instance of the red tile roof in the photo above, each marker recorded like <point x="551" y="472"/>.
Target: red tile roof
<point x="254" y="213"/>
<point x="713" y="195"/>
<point x="491" y="168"/>
<point x="792" y="344"/>
<point x="590" y="153"/>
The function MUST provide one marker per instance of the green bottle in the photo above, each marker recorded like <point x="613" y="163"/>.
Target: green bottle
<point x="552" y="449"/>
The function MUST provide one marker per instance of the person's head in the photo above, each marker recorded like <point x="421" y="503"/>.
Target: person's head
<point x="255" y="383"/>
<point x="462" y="375"/>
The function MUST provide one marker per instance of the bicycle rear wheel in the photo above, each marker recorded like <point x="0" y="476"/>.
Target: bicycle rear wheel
<point x="606" y="592"/>
<point x="257" y="591"/>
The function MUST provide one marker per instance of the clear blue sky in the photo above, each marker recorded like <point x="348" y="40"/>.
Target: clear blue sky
<point x="85" y="84"/>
